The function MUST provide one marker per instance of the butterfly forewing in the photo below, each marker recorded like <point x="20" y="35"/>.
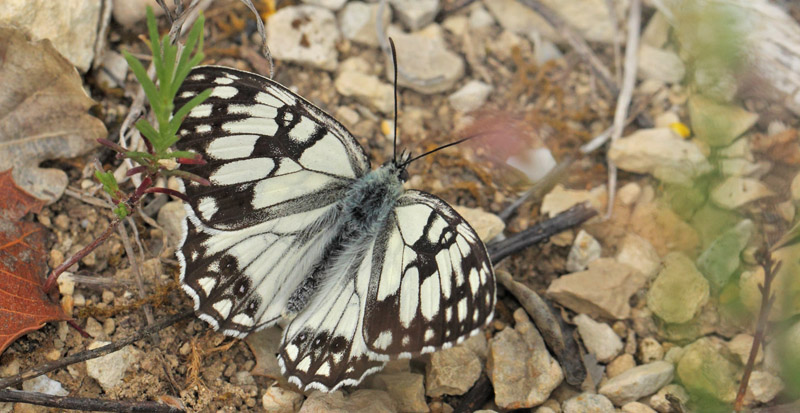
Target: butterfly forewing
<point x="269" y="153"/>
<point x="432" y="284"/>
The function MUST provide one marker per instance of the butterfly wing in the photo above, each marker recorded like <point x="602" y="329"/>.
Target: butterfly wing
<point x="424" y="282"/>
<point x="277" y="164"/>
<point x="432" y="283"/>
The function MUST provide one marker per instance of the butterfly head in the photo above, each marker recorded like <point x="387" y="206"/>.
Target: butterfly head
<point x="400" y="165"/>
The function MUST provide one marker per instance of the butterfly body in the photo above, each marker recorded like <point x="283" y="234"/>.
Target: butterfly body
<point x="295" y="225"/>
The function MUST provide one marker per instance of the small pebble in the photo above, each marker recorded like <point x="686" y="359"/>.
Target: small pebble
<point x="56" y="258"/>
<point x="108" y="296"/>
<point x="650" y="350"/>
<point x="62" y="222"/>
<point x="229" y="370"/>
<point x="79" y="300"/>
<point x="109" y="326"/>
<point x="185" y="349"/>
<point x="52" y="355"/>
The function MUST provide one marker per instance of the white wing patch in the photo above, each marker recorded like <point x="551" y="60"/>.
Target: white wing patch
<point x="246" y="170"/>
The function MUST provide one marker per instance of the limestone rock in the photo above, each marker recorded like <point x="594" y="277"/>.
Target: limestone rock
<point x="485" y="224"/>
<point x="520" y="367"/>
<point x="584" y="250"/>
<point x="737" y="191"/>
<point x="660" y="152"/>
<point x="357" y="21"/>
<point x="560" y="199"/>
<point x="304" y="34"/>
<point x="109" y="370"/>
<point x="665" y="230"/>
<point x="659" y="64"/>
<point x="406" y="389"/>
<point x="704" y="370"/>
<point x="619" y="365"/>
<point x="416" y="14"/>
<point x="588" y="402"/>
<point x="280" y="400"/>
<point x="427" y="65"/>
<point x="599" y="339"/>
<point x="471" y="96"/>
<point x="638" y="382"/>
<point x="762" y="387"/>
<point x="171" y="217"/>
<point x="360" y="401"/>
<point x="636" y="407"/>
<point x="452" y="371"/>
<point x="639" y="254"/>
<point x="679" y="290"/>
<point x="601" y="291"/>
<point x="367" y="89"/>
<point x="721" y="259"/>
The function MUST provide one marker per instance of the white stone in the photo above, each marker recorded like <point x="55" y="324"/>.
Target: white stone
<point x="415" y="14"/>
<point x="560" y="199"/>
<point x="171" y="217"/>
<point x="741" y="344"/>
<point x="46" y="385"/>
<point x="743" y="167"/>
<point x="762" y="388"/>
<point x="659" y="64"/>
<point x="599" y="338"/>
<point x="588" y="402"/>
<point x="636" y="407"/>
<point x="660" y="402"/>
<point x="280" y="400"/>
<point x="71" y="25"/>
<point x="367" y="89"/>
<point x="534" y="163"/>
<point x="589" y="17"/>
<point x="640" y="381"/>
<point x="456" y="24"/>
<point x="660" y="152"/>
<point x="584" y="250"/>
<point x="328" y="4"/>
<point x="737" y="191"/>
<point x="109" y="370"/>
<point x="426" y="64"/>
<point x="304" y="34"/>
<point x="357" y="21"/>
<point x="479" y="18"/>
<point x="639" y="254"/>
<point x="629" y="193"/>
<point x="471" y="96"/>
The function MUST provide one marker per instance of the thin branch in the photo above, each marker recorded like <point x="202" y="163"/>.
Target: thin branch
<point x="82" y="403"/>
<point x="624" y="99"/>
<point x="264" y="49"/>
<point x="45" y="368"/>
<point x="770" y="269"/>
<point x="148" y="311"/>
<point x="577" y="43"/>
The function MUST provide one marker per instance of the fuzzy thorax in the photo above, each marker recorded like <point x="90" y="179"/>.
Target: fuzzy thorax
<point x="370" y="200"/>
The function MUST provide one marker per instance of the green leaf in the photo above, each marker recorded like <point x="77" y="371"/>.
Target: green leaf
<point x="150" y="133"/>
<point x="155" y="45"/>
<point x="149" y="87"/>
<point x="121" y="211"/>
<point x="109" y="182"/>
<point x="194" y="38"/>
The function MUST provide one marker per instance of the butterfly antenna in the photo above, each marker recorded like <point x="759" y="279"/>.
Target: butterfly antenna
<point x="406" y="163"/>
<point x="394" y="61"/>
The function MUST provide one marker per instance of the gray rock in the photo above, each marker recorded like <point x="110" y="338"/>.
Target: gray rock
<point x="479" y="19"/>
<point x="406" y="389"/>
<point x="640" y="381"/>
<point x="584" y="250"/>
<point x="589" y="17"/>
<point x="360" y="401"/>
<point x="721" y="259"/>
<point x="94" y="328"/>
<point x="304" y="34"/>
<point x="535" y="163"/>
<point x="762" y="387"/>
<point x="639" y="254"/>
<point x="660" y="402"/>
<point x="650" y="350"/>
<point x="452" y="371"/>
<point x="70" y="26"/>
<point x="471" y="96"/>
<point x="415" y="14"/>
<point x="46" y="385"/>
<point x="280" y="400"/>
<point x="109" y="370"/>
<point x="741" y="345"/>
<point x="737" y="191"/>
<point x="599" y="338"/>
<point x="679" y="290"/>
<point x="367" y="89"/>
<point x="520" y="367"/>
<point x="718" y="124"/>
<point x="114" y="70"/>
<point x="171" y="217"/>
<point x="636" y="407"/>
<point x="561" y="199"/>
<point x="602" y="291"/>
<point x="587" y="403"/>
<point x="357" y="21"/>
<point x="704" y="370"/>
<point x="129" y="12"/>
<point x="328" y="4"/>
<point x="660" y="152"/>
<point x="659" y="64"/>
<point x="620" y="364"/>
<point x="426" y="65"/>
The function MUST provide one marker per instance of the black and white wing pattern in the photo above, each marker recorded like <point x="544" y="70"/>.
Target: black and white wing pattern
<point x="277" y="165"/>
<point x="432" y="284"/>
<point x="295" y="226"/>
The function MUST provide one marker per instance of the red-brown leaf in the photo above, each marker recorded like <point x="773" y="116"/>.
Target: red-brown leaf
<point x="24" y="307"/>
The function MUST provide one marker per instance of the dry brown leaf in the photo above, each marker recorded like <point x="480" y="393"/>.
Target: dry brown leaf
<point x="43" y="113"/>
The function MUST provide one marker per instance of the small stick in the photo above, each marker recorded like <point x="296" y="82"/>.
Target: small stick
<point x="45" y="368"/>
<point x="82" y="403"/>
<point x="624" y="98"/>
<point x="148" y="311"/>
<point x="477" y="396"/>
<point x="770" y="269"/>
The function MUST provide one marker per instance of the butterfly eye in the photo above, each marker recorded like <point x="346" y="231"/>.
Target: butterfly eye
<point x="403" y="175"/>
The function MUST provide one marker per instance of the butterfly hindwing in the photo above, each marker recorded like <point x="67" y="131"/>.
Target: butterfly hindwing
<point x="432" y="284"/>
<point x="269" y="152"/>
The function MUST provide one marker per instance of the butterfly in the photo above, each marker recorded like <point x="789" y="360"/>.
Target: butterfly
<point x="296" y="226"/>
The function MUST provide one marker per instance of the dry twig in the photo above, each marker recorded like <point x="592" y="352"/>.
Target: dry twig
<point x="82" y="403"/>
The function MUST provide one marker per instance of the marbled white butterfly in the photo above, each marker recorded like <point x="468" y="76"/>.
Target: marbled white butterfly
<point x="296" y="225"/>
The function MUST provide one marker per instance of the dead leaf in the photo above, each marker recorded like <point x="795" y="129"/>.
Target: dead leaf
<point x="43" y="113"/>
<point x="24" y="307"/>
